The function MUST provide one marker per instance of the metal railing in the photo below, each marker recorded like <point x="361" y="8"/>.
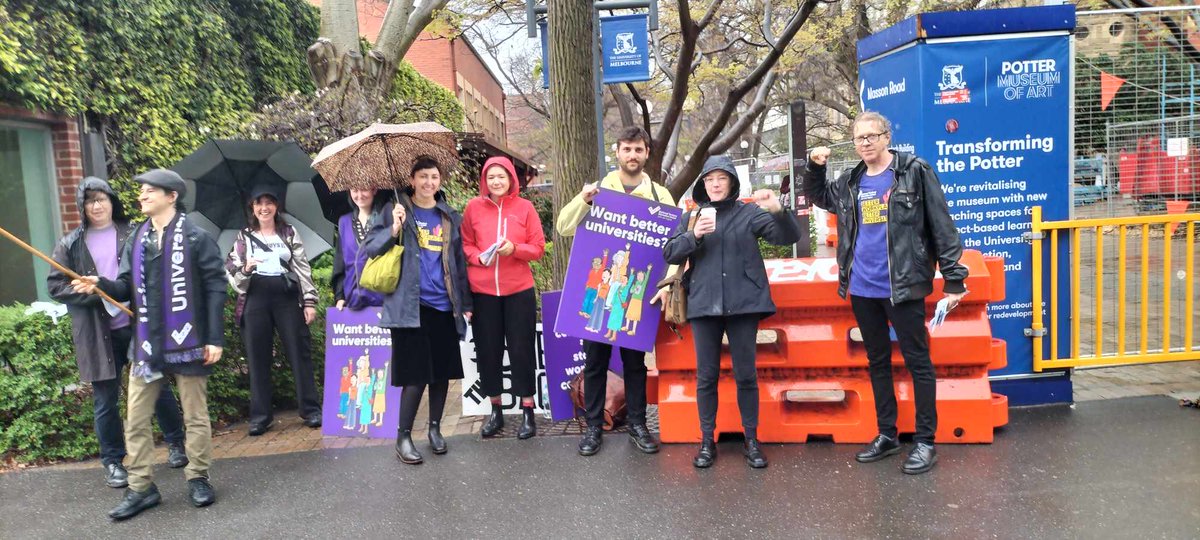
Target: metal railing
<point x="1157" y="305"/>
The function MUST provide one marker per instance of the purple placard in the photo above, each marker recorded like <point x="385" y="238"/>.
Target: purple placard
<point x="563" y="357"/>
<point x="358" y="350"/>
<point x="616" y="260"/>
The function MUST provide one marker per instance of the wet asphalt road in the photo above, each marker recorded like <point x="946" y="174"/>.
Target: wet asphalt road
<point x="1127" y="468"/>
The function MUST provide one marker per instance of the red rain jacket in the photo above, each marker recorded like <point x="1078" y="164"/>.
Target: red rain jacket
<point x="511" y="217"/>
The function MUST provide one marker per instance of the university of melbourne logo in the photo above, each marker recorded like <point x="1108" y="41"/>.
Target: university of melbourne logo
<point x="953" y="87"/>
<point x="625" y="44"/>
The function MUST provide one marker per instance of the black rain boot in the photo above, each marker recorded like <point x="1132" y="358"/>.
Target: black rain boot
<point x="406" y="450"/>
<point x="495" y="422"/>
<point x="707" y="454"/>
<point x="528" y="427"/>
<point x="435" y="438"/>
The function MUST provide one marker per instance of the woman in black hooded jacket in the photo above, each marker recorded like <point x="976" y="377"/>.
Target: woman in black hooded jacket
<point x="727" y="291"/>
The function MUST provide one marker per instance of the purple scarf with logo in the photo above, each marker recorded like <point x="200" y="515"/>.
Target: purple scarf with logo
<point x="180" y="341"/>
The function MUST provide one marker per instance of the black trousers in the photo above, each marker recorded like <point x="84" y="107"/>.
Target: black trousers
<point x="743" y="334"/>
<point x="271" y="308"/>
<point x="595" y="382"/>
<point x="506" y="322"/>
<point x="908" y="319"/>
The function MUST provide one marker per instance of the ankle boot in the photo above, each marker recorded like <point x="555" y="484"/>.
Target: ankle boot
<point x="707" y="454"/>
<point x="528" y="427"/>
<point x="406" y="450"/>
<point x="435" y="438"/>
<point x="495" y="422"/>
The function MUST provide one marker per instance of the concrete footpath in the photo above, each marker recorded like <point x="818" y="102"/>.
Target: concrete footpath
<point x="1110" y="468"/>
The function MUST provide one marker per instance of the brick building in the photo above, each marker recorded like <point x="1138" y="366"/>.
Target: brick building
<point x="456" y="66"/>
<point x="42" y="160"/>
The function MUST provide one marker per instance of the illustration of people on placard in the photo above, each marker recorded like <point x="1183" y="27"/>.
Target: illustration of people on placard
<point x="352" y="411"/>
<point x="633" y="314"/>
<point x="344" y="391"/>
<point x="617" y="305"/>
<point x="366" y="393"/>
<point x="380" y="404"/>
<point x="596" y="317"/>
<point x="595" y="277"/>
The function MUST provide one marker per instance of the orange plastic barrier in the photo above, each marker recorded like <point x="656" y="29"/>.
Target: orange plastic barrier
<point x="831" y="238"/>
<point x="813" y="379"/>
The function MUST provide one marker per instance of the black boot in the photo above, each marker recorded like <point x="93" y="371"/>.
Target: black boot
<point x="406" y="450"/>
<point x="881" y="446"/>
<point x="922" y="458"/>
<point x="641" y="437"/>
<point x="707" y="454"/>
<point x="528" y="427"/>
<point x="590" y="443"/>
<point x="495" y="422"/>
<point x="435" y="438"/>
<point x="755" y="457"/>
<point x="134" y="502"/>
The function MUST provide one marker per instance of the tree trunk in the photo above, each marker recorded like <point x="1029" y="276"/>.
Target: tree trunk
<point x="572" y="110"/>
<point x="335" y="60"/>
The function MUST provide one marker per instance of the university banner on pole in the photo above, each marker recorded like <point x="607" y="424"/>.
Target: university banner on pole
<point x="625" y="43"/>
<point x="615" y="262"/>
<point x="359" y="398"/>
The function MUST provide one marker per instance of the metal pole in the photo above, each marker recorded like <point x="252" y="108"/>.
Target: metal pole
<point x="598" y="76"/>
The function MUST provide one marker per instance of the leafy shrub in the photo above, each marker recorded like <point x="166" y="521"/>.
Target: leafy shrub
<point x="45" y="413"/>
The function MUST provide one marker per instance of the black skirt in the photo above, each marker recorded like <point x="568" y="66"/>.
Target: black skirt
<point x="427" y="354"/>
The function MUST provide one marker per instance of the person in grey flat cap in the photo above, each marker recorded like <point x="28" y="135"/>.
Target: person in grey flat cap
<point x="102" y="332"/>
<point x="173" y="272"/>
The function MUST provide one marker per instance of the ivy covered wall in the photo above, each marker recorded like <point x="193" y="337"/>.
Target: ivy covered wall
<point x="158" y="75"/>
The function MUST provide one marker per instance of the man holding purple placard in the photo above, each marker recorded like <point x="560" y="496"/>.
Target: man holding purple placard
<point x="633" y="149"/>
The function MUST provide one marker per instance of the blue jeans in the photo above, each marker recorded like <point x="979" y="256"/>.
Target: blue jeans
<point x="106" y="397"/>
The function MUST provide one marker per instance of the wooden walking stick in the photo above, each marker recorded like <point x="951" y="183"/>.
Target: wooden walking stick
<point x="62" y="269"/>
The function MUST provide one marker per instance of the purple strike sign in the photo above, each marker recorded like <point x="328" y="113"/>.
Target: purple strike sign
<point x="359" y="399"/>
<point x="616" y="260"/>
<point x="563" y="358"/>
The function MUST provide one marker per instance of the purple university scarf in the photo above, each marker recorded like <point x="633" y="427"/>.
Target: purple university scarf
<point x="179" y="342"/>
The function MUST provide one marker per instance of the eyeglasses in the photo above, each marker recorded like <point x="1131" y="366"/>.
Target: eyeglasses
<point x="96" y="201"/>
<point x="868" y="139"/>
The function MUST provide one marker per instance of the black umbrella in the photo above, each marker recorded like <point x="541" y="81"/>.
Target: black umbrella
<point x="222" y="173"/>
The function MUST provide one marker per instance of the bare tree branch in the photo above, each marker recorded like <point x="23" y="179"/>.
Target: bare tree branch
<point x="681" y="180"/>
<point x="734" y="131"/>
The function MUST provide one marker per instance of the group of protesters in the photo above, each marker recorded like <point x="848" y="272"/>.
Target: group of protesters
<point x="473" y="268"/>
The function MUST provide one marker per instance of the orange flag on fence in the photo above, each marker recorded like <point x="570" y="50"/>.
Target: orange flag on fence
<point x="1109" y="85"/>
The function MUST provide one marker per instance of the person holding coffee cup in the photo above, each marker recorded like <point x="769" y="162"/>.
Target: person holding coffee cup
<point x="728" y="292"/>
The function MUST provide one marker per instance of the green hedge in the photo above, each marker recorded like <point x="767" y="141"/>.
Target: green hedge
<point x="46" y="412"/>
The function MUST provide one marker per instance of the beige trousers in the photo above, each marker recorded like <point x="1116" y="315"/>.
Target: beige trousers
<point x="139" y="436"/>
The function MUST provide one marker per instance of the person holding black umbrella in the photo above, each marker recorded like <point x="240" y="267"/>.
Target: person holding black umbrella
<point x="276" y="293"/>
<point x="429" y="310"/>
<point x="348" y="255"/>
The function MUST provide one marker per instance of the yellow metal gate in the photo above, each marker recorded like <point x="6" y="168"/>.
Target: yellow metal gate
<point x="1152" y="298"/>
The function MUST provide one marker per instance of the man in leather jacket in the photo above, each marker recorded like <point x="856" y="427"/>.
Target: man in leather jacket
<point x="895" y="229"/>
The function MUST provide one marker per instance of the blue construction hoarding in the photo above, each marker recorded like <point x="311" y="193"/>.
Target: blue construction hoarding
<point x="991" y="112"/>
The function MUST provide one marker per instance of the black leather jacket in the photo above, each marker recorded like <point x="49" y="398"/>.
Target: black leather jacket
<point x="920" y="233"/>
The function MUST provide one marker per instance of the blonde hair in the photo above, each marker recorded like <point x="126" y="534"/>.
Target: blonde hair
<point x="872" y="116"/>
